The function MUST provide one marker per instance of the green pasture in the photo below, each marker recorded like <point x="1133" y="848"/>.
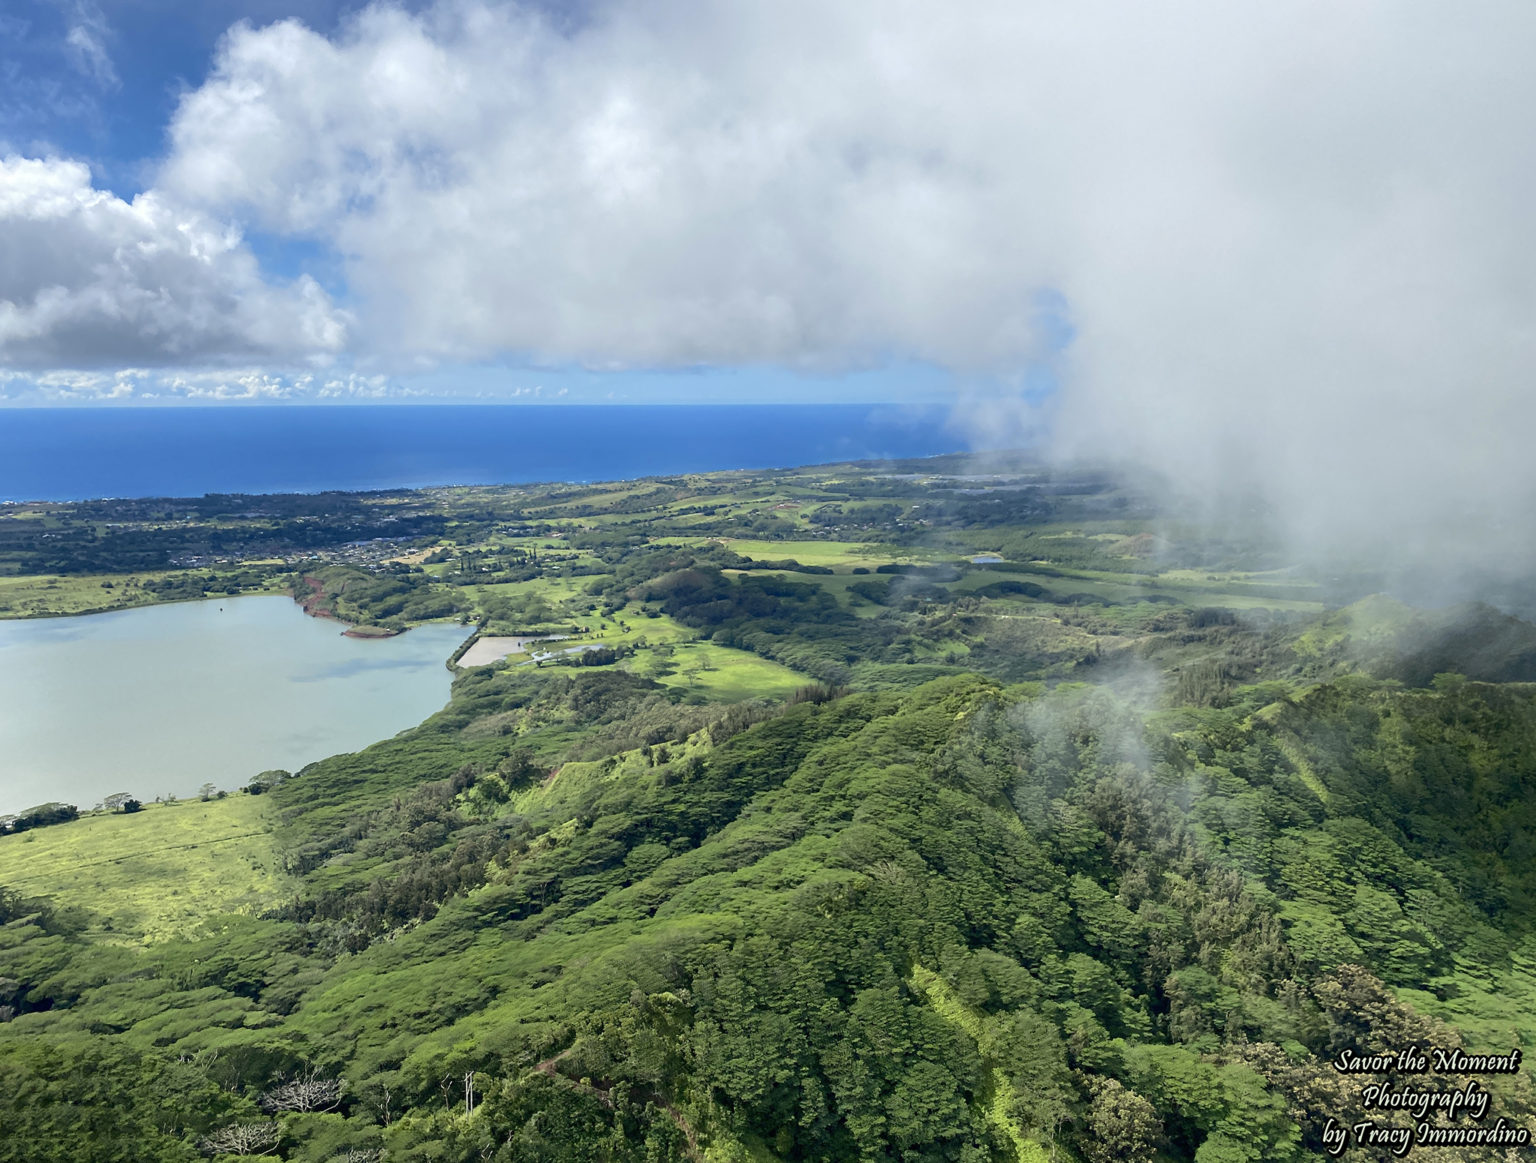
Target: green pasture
<point x="723" y="674"/>
<point x="1201" y="578"/>
<point x="155" y="873"/>
<point x="23" y="597"/>
<point x="556" y="591"/>
<point x="832" y="553"/>
<point x="718" y="673"/>
<point x="632" y="626"/>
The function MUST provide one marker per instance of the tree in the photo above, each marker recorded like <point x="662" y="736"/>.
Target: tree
<point x="43" y="815"/>
<point x="381" y="1092"/>
<point x="1122" y="1126"/>
<point x="306" y="1093"/>
<point x="243" y="1139"/>
<point x="1402" y="951"/>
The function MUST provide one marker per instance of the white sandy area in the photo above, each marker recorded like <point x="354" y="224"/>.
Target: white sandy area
<point x="487" y="650"/>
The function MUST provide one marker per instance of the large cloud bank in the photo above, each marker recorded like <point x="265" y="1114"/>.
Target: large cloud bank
<point x="1293" y="241"/>
<point x="671" y="185"/>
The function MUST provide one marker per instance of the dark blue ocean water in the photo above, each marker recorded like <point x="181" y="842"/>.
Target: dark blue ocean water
<point x="76" y="453"/>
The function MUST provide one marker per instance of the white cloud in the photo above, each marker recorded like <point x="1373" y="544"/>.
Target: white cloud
<point x="69" y="386"/>
<point x="89" y="280"/>
<point x="86" y="44"/>
<point x="249" y="384"/>
<point x="1294" y="240"/>
<point x="665" y="188"/>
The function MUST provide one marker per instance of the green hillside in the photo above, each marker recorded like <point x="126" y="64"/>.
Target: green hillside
<point x="1084" y="854"/>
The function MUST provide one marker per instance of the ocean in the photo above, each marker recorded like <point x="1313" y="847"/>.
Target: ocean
<point x="64" y="454"/>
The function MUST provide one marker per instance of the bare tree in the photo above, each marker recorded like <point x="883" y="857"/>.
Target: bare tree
<point x="243" y="1139"/>
<point x="308" y="1092"/>
<point x="379" y="1094"/>
<point x="359" y="1155"/>
<point x="469" y="1092"/>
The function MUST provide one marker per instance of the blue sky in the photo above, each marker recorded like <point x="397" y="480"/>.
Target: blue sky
<point x="111" y="105"/>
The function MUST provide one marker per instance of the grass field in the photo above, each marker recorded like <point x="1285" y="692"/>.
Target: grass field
<point x="715" y="672"/>
<point x="833" y="553"/>
<point x="720" y="673"/>
<point x="51" y="595"/>
<point x="727" y="675"/>
<point x="22" y="597"/>
<point x="553" y="590"/>
<point x="155" y="873"/>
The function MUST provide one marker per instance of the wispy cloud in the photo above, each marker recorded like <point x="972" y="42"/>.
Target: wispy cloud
<point x="86" y="43"/>
<point x="248" y="385"/>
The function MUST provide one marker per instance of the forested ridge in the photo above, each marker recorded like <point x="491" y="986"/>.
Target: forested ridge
<point x="1005" y="876"/>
